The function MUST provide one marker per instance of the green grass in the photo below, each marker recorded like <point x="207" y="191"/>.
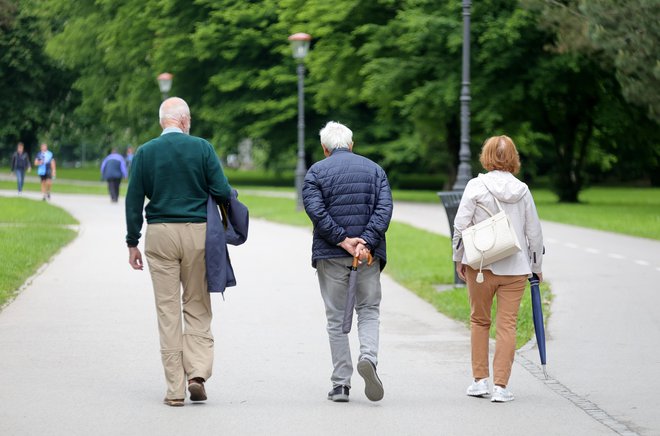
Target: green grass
<point x="417" y="259"/>
<point x="87" y="173"/>
<point x="631" y="211"/>
<point x="31" y="232"/>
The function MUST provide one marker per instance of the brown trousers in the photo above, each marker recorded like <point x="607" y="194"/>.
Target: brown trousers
<point x="175" y="253"/>
<point x="509" y="291"/>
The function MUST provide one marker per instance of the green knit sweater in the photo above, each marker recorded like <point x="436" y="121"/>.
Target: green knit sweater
<point x="176" y="172"/>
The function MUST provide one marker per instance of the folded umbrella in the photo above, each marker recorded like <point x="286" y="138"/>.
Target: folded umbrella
<point x="351" y="295"/>
<point x="537" y="314"/>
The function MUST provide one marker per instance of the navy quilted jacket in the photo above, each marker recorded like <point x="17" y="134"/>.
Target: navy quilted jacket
<point x="347" y="195"/>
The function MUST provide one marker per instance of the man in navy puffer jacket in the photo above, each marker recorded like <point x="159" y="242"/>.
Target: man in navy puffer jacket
<point x="348" y="199"/>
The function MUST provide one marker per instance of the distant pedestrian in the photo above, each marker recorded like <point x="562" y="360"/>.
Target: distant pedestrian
<point x="45" y="163"/>
<point x="177" y="173"/>
<point x="506" y="278"/>
<point x="113" y="169"/>
<point x="129" y="158"/>
<point x="349" y="201"/>
<point x="20" y="164"/>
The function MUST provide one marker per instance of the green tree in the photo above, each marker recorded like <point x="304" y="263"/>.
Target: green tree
<point x="35" y="88"/>
<point x="623" y="36"/>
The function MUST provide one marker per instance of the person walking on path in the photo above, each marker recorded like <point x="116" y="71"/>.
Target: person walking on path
<point x="177" y="172"/>
<point x="506" y="278"/>
<point x="45" y="163"/>
<point x="113" y="169"/>
<point x="20" y="164"/>
<point x="348" y="199"/>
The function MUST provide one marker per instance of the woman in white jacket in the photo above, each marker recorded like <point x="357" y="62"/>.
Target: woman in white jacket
<point x="505" y="278"/>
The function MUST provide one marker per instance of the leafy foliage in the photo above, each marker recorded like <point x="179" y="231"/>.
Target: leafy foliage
<point x="563" y="78"/>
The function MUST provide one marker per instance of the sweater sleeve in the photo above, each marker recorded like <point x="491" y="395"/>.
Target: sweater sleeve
<point x="218" y="184"/>
<point x="324" y="225"/>
<point x="379" y="221"/>
<point x="135" y="202"/>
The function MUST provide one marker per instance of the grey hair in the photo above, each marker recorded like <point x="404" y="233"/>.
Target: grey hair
<point x="174" y="108"/>
<point x="336" y="135"/>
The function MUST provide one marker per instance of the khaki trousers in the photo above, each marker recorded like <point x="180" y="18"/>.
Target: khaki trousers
<point x="175" y="253"/>
<point x="509" y="291"/>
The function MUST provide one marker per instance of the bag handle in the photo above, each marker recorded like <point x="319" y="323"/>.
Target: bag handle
<point x="488" y="210"/>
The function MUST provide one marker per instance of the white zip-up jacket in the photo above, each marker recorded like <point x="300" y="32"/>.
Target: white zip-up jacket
<point x="517" y="202"/>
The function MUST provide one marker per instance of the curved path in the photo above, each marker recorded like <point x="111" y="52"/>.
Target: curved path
<point x="79" y="353"/>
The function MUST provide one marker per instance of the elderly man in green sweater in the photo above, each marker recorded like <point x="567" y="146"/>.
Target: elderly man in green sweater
<point x="177" y="172"/>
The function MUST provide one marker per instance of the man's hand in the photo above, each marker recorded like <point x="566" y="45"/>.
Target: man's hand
<point x="135" y="258"/>
<point x="362" y="252"/>
<point x="351" y="244"/>
<point x="460" y="270"/>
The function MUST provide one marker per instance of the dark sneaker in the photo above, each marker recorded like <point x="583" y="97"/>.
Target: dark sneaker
<point x="339" y="394"/>
<point x="373" y="387"/>
<point x="196" y="389"/>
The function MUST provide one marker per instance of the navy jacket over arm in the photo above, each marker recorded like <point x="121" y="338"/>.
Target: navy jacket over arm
<point x="219" y="272"/>
<point x="347" y="195"/>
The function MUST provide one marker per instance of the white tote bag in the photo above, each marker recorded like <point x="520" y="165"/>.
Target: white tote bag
<point x="490" y="240"/>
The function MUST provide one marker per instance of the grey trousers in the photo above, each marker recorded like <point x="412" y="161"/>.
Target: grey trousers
<point x="333" y="280"/>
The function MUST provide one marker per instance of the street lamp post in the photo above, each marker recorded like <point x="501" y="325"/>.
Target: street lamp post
<point x="452" y="199"/>
<point x="165" y="84"/>
<point x="300" y="48"/>
<point x="464" y="173"/>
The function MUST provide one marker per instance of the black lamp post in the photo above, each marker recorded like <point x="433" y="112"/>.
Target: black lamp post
<point x="165" y="84"/>
<point x="464" y="173"/>
<point x="452" y="199"/>
<point x="300" y="48"/>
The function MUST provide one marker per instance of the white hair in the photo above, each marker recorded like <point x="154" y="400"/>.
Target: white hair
<point x="335" y="135"/>
<point x="174" y="108"/>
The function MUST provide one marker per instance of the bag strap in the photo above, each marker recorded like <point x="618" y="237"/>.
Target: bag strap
<point x="486" y="209"/>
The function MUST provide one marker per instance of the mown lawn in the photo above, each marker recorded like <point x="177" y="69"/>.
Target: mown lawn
<point x="630" y="211"/>
<point x="31" y="233"/>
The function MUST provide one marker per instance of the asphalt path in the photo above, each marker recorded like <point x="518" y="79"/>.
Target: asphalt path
<point x="79" y="352"/>
<point x="604" y="330"/>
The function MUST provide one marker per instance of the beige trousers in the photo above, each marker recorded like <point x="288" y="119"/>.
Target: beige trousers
<point x="509" y="291"/>
<point x="175" y="253"/>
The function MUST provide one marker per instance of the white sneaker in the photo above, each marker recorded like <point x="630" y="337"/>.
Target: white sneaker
<point x="501" y="395"/>
<point x="479" y="388"/>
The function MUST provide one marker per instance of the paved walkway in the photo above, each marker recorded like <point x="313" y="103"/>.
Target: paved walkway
<point x="605" y="324"/>
<point x="80" y="353"/>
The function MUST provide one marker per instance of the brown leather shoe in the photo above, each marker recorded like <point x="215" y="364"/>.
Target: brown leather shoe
<point x="173" y="402"/>
<point x="196" y="389"/>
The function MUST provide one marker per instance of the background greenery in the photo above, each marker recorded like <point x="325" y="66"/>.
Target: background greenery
<point x="576" y="83"/>
<point x="31" y="233"/>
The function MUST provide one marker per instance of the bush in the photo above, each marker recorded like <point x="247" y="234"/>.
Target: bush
<point x="259" y="178"/>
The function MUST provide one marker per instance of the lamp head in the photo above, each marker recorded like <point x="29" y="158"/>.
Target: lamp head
<point x="300" y="45"/>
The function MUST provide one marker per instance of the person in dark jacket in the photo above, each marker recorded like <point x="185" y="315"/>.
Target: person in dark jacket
<point x="349" y="201"/>
<point x="113" y="169"/>
<point x="20" y="163"/>
<point x="177" y="172"/>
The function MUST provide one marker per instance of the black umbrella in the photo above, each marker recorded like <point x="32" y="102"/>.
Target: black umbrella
<point x="537" y="313"/>
<point x="351" y="295"/>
